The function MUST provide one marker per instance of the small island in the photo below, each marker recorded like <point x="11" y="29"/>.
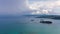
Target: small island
<point x="46" y="22"/>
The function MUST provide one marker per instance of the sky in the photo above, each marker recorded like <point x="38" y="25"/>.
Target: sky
<point x="18" y="7"/>
<point x="45" y="6"/>
<point x="12" y="7"/>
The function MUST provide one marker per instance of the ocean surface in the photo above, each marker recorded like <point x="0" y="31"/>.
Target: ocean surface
<point x="24" y="25"/>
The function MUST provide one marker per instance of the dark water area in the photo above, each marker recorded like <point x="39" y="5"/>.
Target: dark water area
<point x="24" y="25"/>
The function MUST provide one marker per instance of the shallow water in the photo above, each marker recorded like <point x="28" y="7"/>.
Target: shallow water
<point x="24" y="25"/>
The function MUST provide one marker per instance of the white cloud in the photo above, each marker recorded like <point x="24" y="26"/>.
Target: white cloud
<point x="44" y="5"/>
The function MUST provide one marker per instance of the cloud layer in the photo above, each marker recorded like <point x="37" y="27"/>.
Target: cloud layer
<point x="14" y="7"/>
<point x="45" y="5"/>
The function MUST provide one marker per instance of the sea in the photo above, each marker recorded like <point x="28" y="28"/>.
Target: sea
<point x="25" y="25"/>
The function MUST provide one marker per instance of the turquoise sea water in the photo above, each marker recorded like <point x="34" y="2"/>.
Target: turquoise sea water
<point x="24" y="25"/>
